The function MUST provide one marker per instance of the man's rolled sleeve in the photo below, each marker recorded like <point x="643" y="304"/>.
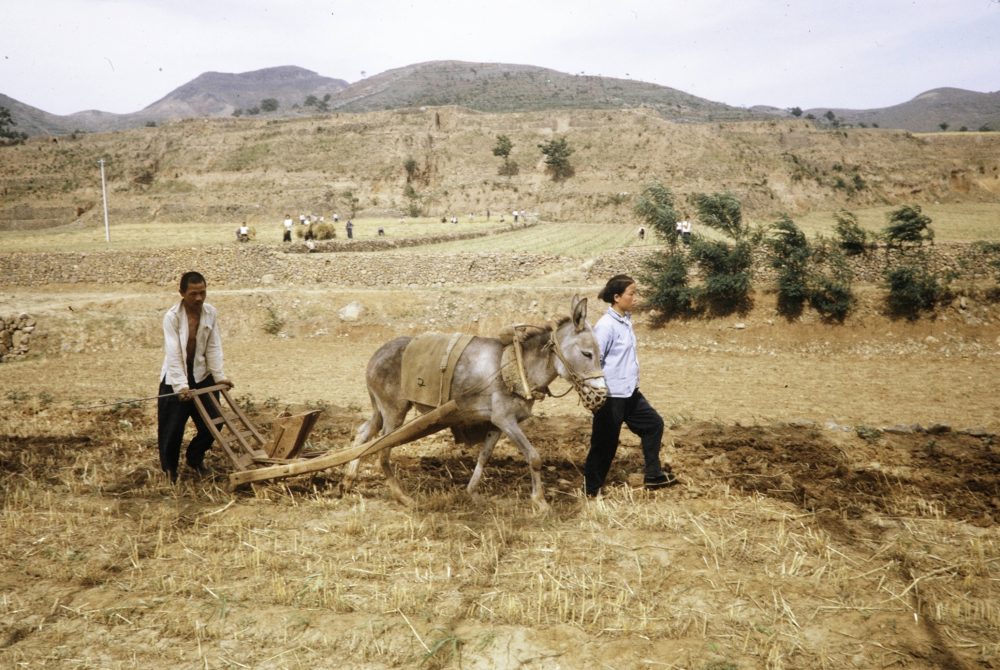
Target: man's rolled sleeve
<point x="176" y="375"/>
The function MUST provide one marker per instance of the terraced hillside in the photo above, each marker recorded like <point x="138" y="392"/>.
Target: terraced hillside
<point x="355" y="164"/>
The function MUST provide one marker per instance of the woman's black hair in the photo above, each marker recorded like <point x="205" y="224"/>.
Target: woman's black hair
<point x="615" y="286"/>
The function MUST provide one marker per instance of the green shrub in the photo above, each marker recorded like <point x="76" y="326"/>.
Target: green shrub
<point x="908" y="226"/>
<point x="655" y="207"/>
<point x="913" y="289"/>
<point x="723" y="212"/>
<point x="727" y="272"/>
<point x="852" y="238"/>
<point x="832" y="298"/>
<point x="666" y="274"/>
<point x="557" y="152"/>
<point x="809" y="273"/>
<point x="790" y="256"/>
<point x="726" y="267"/>
<point x="412" y="169"/>
<point x="502" y="149"/>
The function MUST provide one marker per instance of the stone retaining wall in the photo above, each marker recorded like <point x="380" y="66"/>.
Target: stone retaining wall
<point x="15" y="336"/>
<point x="250" y="265"/>
<point x="374" y="263"/>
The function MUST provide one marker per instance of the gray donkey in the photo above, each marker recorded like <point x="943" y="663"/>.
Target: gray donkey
<point x="487" y="405"/>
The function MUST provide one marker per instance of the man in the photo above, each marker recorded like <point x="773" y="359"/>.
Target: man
<point x="192" y="360"/>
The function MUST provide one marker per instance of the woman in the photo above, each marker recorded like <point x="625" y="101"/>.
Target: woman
<point x="625" y="404"/>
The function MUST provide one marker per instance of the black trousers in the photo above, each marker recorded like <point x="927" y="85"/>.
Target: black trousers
<point x="172" y="415"/>
<point x="640" y="417"/>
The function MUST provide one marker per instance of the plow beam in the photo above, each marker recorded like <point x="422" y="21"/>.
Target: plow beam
<point x="422" y="426"/>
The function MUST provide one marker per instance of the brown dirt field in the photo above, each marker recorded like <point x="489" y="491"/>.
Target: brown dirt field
<point x="804" y="536"/>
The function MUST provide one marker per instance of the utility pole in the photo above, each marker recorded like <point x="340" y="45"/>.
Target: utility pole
<point x="104" y="191"/>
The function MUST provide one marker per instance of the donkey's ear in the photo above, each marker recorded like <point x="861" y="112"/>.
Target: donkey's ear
<point x="579" y="307"/>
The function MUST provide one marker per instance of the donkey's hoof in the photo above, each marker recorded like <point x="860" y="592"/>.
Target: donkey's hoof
<point x="404" y="500"/>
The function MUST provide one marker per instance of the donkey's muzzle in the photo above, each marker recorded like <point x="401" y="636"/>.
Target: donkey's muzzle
<point x="592" y="397"/>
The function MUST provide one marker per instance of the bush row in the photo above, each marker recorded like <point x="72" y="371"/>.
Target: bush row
<point x="695" y="275"/>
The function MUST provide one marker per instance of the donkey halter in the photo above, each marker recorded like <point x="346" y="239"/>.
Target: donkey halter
<point x="591" y="397"/>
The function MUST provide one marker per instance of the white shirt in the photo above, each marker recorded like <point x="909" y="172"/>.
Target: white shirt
<point x="208" y="347"/>
<point x="619" y="358"/>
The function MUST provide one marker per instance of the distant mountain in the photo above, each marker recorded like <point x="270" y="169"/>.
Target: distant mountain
<point x="222" y="93"/>
<point x="503" y="87"/>
<point x="207" y="95"/>
<point x="32" y="120"/>
<point x="486" y="87"/>
<point x="926" y="112"/>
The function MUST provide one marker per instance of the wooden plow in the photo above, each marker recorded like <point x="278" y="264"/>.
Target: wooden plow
<point x="257" y="458"/>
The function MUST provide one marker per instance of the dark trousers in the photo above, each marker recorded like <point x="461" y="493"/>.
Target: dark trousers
<point x="640" y="417"/>
<point x="172" y="415"/>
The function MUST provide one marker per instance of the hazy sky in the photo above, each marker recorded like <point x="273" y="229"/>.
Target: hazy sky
<point x="65" y="56"/>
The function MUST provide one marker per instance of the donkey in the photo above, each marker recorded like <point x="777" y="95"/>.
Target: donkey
<point x="486" y="405"/>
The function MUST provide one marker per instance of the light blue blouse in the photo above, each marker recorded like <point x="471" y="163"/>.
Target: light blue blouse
<point x="619" y="358"/>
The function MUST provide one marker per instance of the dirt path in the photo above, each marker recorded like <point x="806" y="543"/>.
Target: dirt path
<point x="755" y="368"/>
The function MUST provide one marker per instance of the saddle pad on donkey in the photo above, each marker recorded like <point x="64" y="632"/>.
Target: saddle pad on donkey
<point x="428" y="365"/>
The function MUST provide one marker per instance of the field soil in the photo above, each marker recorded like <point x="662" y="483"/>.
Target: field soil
<point x="838" y="508"/>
